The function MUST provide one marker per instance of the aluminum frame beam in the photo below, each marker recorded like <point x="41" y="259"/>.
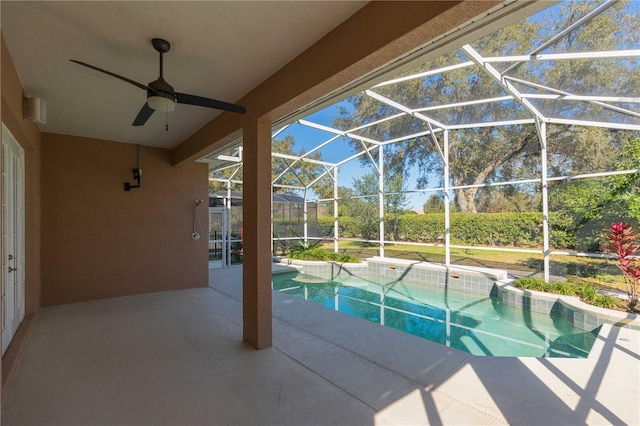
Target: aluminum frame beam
<point x="506" y="85"/>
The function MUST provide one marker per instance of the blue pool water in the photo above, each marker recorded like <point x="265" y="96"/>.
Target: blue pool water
<point x="477" y="324"/>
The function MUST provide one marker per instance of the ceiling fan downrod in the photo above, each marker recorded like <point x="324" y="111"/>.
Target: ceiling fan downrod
<point x="162" y="46"/>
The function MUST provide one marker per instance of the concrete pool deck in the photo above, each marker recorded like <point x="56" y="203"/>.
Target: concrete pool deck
<point x="178" y="358"/>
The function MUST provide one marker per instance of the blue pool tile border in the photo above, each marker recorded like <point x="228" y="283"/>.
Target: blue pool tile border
<point x="482" y="281"/>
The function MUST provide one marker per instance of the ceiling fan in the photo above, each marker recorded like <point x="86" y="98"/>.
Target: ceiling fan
<point x="160" y="94"/>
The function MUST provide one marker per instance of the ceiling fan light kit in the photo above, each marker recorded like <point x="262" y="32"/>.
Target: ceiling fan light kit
<point x="160" y="94"/>
<point x="160" y="103"/>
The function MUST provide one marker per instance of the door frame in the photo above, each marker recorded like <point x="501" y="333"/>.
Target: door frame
<point x="13" y="236"/>
<point x="222" y="241"/>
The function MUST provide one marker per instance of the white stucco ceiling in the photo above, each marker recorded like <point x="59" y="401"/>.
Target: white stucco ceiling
<point x="220" y="50"/>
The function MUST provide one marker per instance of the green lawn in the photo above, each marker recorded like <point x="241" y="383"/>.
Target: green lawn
<point x="597" y="272"/>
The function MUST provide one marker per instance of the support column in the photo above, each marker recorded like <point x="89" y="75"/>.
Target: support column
<point x="226" y="240"/>
<point x="541" y="127"/>
<point x="335" y="209"/>
<point x="447" y="202"/>
<point x="256" y="217"/>
<point x="381" y="197"/>
<point x="305" y="216"/>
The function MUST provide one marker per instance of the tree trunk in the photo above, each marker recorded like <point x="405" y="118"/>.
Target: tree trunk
<point x="466" y="199"/>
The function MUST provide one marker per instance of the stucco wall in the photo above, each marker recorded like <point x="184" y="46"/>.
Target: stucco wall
<point x="99" y="241"/>
<point x="28" y="136"/>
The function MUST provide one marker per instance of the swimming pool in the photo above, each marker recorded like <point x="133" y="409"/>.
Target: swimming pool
<point x="474" y="323"/>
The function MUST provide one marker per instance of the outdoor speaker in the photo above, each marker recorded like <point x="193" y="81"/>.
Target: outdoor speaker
<point x="35" y="109"/>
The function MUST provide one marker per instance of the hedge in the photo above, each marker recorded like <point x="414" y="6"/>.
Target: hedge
<point x="479" y="229"/>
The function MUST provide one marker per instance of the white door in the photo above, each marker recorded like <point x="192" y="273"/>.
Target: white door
<point x="217" y="237"/>
<point x="12" y="236"/>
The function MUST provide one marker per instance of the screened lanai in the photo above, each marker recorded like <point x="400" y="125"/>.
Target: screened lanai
<point x="538" y="122"/>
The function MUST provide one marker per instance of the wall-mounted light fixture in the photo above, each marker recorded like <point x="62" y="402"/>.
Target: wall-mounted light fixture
<point x="137" y="173"/>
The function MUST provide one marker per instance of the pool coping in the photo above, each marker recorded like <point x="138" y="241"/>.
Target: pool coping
<point x="465" y="278"/>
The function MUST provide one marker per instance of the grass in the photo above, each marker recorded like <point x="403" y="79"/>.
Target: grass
<point x="599" y="273"/>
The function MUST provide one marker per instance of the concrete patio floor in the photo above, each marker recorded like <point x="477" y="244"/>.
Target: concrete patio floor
<point x="178" y="358"/>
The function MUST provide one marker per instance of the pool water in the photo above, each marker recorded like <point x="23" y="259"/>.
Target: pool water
<point x="473" y="323"/>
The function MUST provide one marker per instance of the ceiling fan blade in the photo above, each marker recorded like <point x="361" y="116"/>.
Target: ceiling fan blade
<point x="183" y="98"/>
<point x="135" y="83"/>
<point x="143" y="115"/>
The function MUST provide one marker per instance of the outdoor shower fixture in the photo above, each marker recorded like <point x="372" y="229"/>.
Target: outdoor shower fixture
<point x="137" y="173"/>
<point x="196" y="220"/>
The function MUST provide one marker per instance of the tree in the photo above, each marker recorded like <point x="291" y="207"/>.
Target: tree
<point x="394" y="201"/>
<point x="509" y="198"/>
<point x="627" y="187"/>
<point x="433" y="205"/>
<point x="362" y="202"/>
<point x="593" y="204"/>
<point x="365" y="209"/>
<point x="488" y="154"/>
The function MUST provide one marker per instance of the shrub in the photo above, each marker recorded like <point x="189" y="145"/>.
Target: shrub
<point x="623" y="243"/>
<point x="556" y="287"/>
<point x="493" y="229"/>
<point x="531" y="283"/>
<point x="587" y="293"/>
<point x="304" y="246"/>
<point x="564" y="288"/>
<point x="340" y="257"/>
<point x="608" y="302"/>
<point x="488" y="229"/>
<point x="312" y="251"/>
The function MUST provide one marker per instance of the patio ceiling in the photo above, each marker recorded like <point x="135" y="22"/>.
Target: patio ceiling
<point x="219" y="50"/>
<point x="520" y="96"/>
